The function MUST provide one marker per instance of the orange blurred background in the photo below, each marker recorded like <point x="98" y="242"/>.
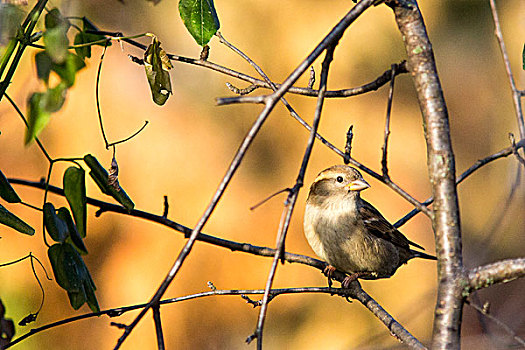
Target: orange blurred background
<point x="187" y="146"/>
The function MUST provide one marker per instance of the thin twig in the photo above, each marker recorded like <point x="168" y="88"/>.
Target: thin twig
<point x="311" y="80"/>
<point x="348" y="144"/>
<point x="158" y="327"/>
<point x="367" y="301"/>
<point x="497" y="321"/>
<point x="516" y="94"/>
<point x="360" y="295"/>
<point x="368" y="87"/>
<point x="255" y="206"/>
<point x="515" y="149"/>
<point x="116" y="312"/>
<point x="129" y="137"/>
<point x="384" y="158"/>
<point x="501" y="154"/>
<point x="166" y="206"/>
<point x="32" y="316"/>
<point x="40" y="145"/>
<point x="97" y="97"/>
<point x="262" y="99"/>
<point x="292" y="197"/>
<point x="371" y="86"/>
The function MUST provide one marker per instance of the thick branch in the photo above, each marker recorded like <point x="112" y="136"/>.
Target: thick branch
<point x="441" y="166"/>
<point x="499" y="272"/>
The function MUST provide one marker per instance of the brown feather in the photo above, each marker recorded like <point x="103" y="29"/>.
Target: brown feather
<point x="376" y="224"/>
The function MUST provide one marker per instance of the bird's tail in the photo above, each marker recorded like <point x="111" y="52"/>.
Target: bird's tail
<point x="416" y="254"/>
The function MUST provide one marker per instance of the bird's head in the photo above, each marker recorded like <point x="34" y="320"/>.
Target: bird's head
<point x="338" y="180"/>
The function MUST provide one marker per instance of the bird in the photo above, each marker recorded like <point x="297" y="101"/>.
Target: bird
<point x="349" y="233"/>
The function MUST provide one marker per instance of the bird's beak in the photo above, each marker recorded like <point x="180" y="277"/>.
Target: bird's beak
<point x="358" y="185"/>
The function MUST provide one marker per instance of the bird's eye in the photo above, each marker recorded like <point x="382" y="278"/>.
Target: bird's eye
<point x="339" y="179"/>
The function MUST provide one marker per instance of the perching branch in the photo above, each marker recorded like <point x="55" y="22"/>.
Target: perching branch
<point x="362" y="296"/>
<point x="355" y="292"/>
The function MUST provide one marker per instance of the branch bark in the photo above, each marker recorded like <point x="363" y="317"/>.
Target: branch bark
<point x="499" y="272"/>
<point x="441" y="168"/>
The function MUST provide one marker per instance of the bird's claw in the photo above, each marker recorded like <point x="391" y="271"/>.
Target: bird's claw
<point x="328" y="271"/>
<point x="349" y="279"/>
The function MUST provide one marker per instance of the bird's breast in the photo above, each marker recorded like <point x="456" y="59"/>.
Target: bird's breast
<point x="328" y="224"/>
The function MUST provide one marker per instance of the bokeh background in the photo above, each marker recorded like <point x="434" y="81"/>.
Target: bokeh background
<point x="188" y="144"/>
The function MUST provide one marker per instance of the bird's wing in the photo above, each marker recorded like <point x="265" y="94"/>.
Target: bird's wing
<point x="377" y="225"/>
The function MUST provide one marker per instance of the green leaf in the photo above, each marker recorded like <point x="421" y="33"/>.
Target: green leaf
<point x="71" y="273"/>
<point x="56" y="43"/>
<point x="10" y="18"/>
<point x="200" y="18"/>
<point x="43" y="65"/>
<point x="38" y="117"/>
<point x="77" y="299"/>
<point x="101" y="178"/>
<point x="40" y="106"/>
<point x="73" y="236"/>
<point x="54" y="19"/>
<point x="55" y="226"/>
<point x="9" y="219"/>
<point x="54" y="98"/>
<point x="66" y="70"/>
<point x="66" y="263"/>
<point x="91" y="299"/>
<point x="75" y="191"/>
<point x="86" y="38"/>
<point x="69" y="68"/>
<point x="55" y="36"/>
<point x="157" y="65"/>
<point x="88" y="26"/>
<point x="84" y="51"/>
<point x="6" y="190"/>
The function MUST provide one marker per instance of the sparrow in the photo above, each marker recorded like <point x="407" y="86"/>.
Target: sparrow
<point x="349" y="233"/>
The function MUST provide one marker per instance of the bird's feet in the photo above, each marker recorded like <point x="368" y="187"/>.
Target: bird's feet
<point x="353" y="277"/>
<point x="349" y="279"/>
<point x="328" y="271"/>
